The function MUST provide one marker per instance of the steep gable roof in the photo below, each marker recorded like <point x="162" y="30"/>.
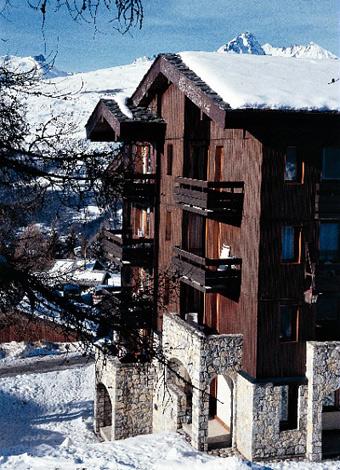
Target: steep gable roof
<point x="223" y="86"/>
<point x="221" y="83"/>
<point x="115" y="122"/>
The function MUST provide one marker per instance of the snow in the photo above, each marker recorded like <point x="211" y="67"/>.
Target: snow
<point x="261" y="82"/>
<point x="245" y="43"/>
<point x="77" y="271"/>
<point x="309" y="51"/>
<point x="51" y="427"/>
<point x="38" y="63"/>
<point x="19" y="352"/>
<point x="76" y="96"/>
<point x="48" y="418"/>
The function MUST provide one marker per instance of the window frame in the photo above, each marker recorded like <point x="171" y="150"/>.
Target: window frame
<point x="329" y="222"/>
<point x="300" y="167"/>
<point x="169" y="159"/>
<point x="297" y="245"/>
<point x="168" y="226"/>
<point x="294" y="338"/>
<point x="323" y="177"/>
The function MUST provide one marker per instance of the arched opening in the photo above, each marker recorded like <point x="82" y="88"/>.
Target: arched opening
<point x="180" y="386"/>
<point x="221" y="412"/>
<point x="103" y="413"/>
<point x="331" y="425"/>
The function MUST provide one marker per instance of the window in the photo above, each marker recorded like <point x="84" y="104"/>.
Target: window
<point x="289" y="407"/>
<point x="218" y="163"/>
<point x="288" y="322"/>
<point x="329" y="241"/>
<point x="169" y="159"/>
<point x="331" y="402"/>
<point x="331" y="163"/>
<point x="293" y="166"/>
<point x="168" y="226"/>
<point x="290" y="244"/>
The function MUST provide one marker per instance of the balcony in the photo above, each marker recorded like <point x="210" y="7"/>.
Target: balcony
<point x="207" y="274"/>
<point x="327" y="201"/>
<point x="140" y="189"/>
<point x="210" y="198"/>
<point x="122" y="248"/>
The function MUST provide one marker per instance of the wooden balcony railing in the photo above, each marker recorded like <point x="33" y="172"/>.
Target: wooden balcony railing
<point x="212" y="275"/>
<point x="140" y="189"/>
<point x="327" y="200"/>
<point x="122" y="247"/>
<point x="210" y="197"/>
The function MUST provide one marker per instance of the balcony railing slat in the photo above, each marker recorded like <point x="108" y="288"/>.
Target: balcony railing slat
<point x="208" y="272"/>
<point x="120" y="244"/>
<point x="220" y="197"/>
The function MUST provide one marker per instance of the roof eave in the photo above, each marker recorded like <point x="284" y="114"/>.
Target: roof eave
<point x="102" y="125"/>
<point x="145" y="91"/>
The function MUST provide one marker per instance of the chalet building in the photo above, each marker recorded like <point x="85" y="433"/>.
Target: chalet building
<point x="237" y="190"/>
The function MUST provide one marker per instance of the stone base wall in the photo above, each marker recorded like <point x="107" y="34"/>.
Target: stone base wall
<point x="150" y="398"/>
<point x="202" y="357"/>
<point x="269" y="441"/>
<point x="243" y="428"/>
<point x="323" y="373"/>
<point x="130" y="387"/>
<point x="258" y="434"/>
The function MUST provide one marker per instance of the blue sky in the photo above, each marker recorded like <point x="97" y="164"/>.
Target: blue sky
<point x="170" y="26"/>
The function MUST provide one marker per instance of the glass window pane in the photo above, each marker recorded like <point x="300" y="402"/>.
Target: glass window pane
<point x="288" y="243"/>
<point x="331" y="163"/>
<point x="329" y="241"/>
<point x="291" y="166"/>
<point x="288" y="318"/>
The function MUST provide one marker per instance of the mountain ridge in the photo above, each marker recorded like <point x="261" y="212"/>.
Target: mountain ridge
<point x="246" y="43"/>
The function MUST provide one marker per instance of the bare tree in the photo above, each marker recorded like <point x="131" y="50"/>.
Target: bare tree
<point x="122" y="14"/>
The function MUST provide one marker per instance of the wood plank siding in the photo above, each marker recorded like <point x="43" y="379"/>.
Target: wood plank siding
<point x="221" y="190"/>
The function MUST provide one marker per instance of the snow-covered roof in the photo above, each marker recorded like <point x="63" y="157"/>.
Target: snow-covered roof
<point x="265" y="82"/>
<point x="77" y="271"/>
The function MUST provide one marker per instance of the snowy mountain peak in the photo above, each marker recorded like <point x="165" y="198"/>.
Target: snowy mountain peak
<point x="245" y="43"/>
<point x="308" y="51"/>
<point x="44" y="67"/>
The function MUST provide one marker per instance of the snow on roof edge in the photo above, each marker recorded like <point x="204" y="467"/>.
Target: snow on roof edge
<point x="267" y="82"/>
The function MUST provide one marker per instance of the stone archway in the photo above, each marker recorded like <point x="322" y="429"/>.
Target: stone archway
<point x="179" y="384"/>
<point x="203" y="356"/>
<point x="103" y="414"/>
<point x="221" y="412"/>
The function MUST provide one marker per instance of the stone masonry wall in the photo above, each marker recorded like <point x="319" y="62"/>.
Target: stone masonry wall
<point x="244" y="416"/>
<point x="268" y="440"/>
<point x="203" y="357"/>
<point x="258" y="434"/>
<point x="130" y="387"/>
<point x="323" y="373"/>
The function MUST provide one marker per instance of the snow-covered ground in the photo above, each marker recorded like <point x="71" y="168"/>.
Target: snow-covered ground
<point x="46" y="423"/>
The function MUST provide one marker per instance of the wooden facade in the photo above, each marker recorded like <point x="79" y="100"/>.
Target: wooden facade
<point x="222" y="201"/>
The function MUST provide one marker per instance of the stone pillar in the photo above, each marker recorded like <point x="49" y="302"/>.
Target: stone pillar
<point x="200" y="418"/>
<point x="314" y="410"/>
